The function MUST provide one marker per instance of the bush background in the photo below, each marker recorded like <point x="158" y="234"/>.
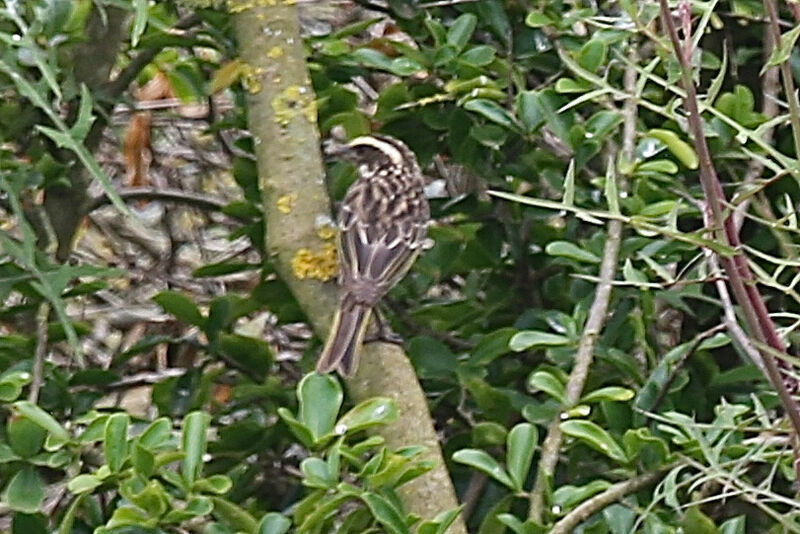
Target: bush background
<point x="584" y="364"/>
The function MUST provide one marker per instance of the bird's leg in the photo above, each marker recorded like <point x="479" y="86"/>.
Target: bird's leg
<point x="382" y="330"/>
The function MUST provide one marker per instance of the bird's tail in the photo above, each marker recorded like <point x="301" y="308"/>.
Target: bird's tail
<point x="344" y="341"/>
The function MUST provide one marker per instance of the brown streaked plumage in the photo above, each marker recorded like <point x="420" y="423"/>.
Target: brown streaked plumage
<point x="383" y="226"/>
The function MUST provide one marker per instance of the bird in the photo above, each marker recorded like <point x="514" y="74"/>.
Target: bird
<point x="382" y="225"/>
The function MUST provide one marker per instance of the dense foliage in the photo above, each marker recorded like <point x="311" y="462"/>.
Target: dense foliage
<point x="542" y="125"/>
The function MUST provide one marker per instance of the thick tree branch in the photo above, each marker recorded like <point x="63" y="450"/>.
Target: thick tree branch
<point x="282" y="119"/>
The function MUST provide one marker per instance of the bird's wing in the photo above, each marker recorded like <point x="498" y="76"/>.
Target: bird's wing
<point x="381" y="234"/>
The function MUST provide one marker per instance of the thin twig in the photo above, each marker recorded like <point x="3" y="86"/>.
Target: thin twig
<point x="40" y="353"/>
<point x="786" y="76"/>
<point x="594" y="324"/>
<point x="583" y="361"/>
<point x="586" y="509"/>
<point x="741" y="278"/>
<point x="167" y="195"/>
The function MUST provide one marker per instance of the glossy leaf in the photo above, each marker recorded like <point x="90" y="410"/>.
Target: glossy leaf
<point x="274" y="523"/>
<point x="115" y="441"/>
<point x="320" y="399"/>
<point x="595" y="437"/>
<point x="520" y="446"/>
<point x="528" y="339"/>
<point x="25" y="491"/>
<point x="194" y="440"/>
<point x="485" y="463"/>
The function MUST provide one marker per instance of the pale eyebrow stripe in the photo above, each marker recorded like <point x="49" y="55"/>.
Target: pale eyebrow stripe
<point x="387" y="148"/>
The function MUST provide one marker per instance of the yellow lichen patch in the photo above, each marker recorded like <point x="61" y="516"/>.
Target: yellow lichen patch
<point x="275" y="52"/>
<point x="326" y="232"/>
<point x="237" y="6"/>
<point x="294" y="99"/>
<point x="285" y="202"/>
<point x="320" y="265"/>
<point x="251" y="78"/>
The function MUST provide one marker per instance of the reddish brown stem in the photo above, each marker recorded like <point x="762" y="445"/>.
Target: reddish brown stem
<point x="741" y="279"/>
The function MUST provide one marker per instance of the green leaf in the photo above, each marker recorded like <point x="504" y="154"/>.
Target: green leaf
<point x="485" y="463"/>
<point x="7" y="454"/>
<point x="320" y="399"/>
<point x="570" y="85"/>
<point x="317" y="474"/>
<point x="274" y="523"/>
<point x="85" y="118"/>
<point x="181" y="306"/>
<point x="488" y="433"/>
<point x="68" y="520"/>
<point x="641" y="445"/>
<point x="83" y="484"/>
<point x="478" y="56"/>
<point x="385" y="513"/>
<point x="609" y="393"/>
<point x="529" y="111"/>
<point x="25" y="437"/>
<point x="144" y="462"/>
<point x="520" y="446"/>
<point x="664" y="166"/>
<point x="568" y="496"/>
<point x="696" y="522"/>
<point x="535" y="19"/>
<point x="440" y="523"/>
<point x="11" y="385"/>
<point x="25" y="492"/>
<point x="371" y="412"/>
<point x="633" y="275"/>
<point x="115" y="443"/>
<point x="596" y="437"/>
<point x="491" y="110"/>
<point x="783" y="51"/>
<point x="679" y="148"/>
<point x="125" y="516"/>
<point x="157" y="433"/>
<point x="139" y="20"/>
<point x="459" y="33"/>
<point x="567" y="249"/>
<point x="516" y="525"/>
<point x="233" y="514"/>
<point x="194" y="440"/>
<point x="23" y="523"/>
<point x="547" y="382"/>
<point x="41" y="418"/>
<point x="528" y="339"/>
<point x="592" y="55"/>
<point x="300" y="431"/>
<point x="734" y="525"/>
<point x="217" y="484"/>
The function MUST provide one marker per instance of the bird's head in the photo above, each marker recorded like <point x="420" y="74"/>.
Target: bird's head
<point x="376" y="152"/>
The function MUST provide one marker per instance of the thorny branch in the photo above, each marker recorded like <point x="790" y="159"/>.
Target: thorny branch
<point x="740" y="277"/>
